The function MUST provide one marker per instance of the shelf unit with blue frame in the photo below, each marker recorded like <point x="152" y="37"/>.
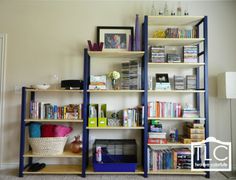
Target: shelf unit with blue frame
<point x="26" y="157"/>
<point x="200" y="22"/>
<point x="86" y="167"/>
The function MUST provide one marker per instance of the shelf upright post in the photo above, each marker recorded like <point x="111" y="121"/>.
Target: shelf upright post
<point x="206" y="99"/>
<point x="85" y="114"/>
<point x="22" y="135"/>
<point x="197" y="71"/>
<point x="145" y="93"/>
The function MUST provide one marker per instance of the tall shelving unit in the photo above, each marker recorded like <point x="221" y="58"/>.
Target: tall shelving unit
<point x="29" y="94"/>
<point x="150" y="21"/>
<point x="87" y="168"/>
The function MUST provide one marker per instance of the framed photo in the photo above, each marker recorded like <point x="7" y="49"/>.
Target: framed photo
<point x="162" y="78"/>
<point x="115" y="38"/>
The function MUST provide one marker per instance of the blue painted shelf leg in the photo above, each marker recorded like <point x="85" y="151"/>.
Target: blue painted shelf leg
<point x="22" y="135"/>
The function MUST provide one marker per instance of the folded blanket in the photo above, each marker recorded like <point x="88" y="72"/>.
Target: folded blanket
<point x="35" y="130"/>
<point x="48" y="130"/>
<point x="62" y="131"/>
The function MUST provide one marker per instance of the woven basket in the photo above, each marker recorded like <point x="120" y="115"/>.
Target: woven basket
<point x="48" y="146"/>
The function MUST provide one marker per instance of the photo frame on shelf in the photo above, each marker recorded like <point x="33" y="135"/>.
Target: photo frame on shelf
<point x="162" y="78"/>
<point x="115" y="38"/>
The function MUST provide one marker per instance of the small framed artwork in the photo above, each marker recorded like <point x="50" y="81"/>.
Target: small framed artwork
<point x="115" y="38"/>
<point x="162" y="78"/>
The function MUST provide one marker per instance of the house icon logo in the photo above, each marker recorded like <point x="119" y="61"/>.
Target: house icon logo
<point x="211" y="155"/>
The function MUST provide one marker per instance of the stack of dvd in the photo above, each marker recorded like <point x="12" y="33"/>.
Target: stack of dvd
<point x="172" y="33"/>
<point x="157" y="54"/>
<point x="190" y="54"/>
<point x="191" y="82"/>
<point x="179" y="82"/>
<point x="131" y="75"/>
<point x="172" y="58"/>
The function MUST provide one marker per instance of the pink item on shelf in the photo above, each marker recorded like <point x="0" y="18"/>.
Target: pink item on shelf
<point x="48" y="130"/>
<point x="62" y="131"/>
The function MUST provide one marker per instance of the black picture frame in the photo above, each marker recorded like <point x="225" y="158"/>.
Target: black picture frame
<point x="162" y="78"/>
<point x="116" y="38"/>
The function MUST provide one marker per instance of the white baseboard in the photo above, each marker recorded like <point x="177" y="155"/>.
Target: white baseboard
<point x="5" y="166"/>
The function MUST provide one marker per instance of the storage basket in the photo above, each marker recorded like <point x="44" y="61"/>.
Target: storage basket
<point x="48" y="146"/>
<point x="116" y="155"/>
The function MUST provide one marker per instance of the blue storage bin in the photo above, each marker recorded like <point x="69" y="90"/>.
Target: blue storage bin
<point x="117" y="156"/>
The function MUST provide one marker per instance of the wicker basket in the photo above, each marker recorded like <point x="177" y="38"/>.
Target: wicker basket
<point x="48" y="146"/>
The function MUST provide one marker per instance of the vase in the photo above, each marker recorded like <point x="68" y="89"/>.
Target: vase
<point x="113" y="84"/>
<point x="137" y="34"/>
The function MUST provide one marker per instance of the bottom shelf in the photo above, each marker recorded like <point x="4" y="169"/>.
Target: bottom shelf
<point x="177" y="172"/>
<point x="90" y="170"/>
<point x="58" y="169"/>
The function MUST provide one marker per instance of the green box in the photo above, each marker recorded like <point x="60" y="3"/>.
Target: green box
<point x="92" y="122"/>
<point x="102" y="122"/>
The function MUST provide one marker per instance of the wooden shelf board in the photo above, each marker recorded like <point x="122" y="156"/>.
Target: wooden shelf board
<point x="116" y="54"/>
<point x="115" y="91"/>
<point x="174" y="20"/>
<point x="170" y="144"/>
<point x="66" y="154"/>
<point x="58" y="169"/>
<point x="113" y="128"/>
<point x="174" y="41"/>
<point x="55" y="120"/>
<point x="176" y="91"/>
<point x="175" y="119"/>
<point x="176" y="65"/>
<point x="53" y="90"/>
<point x="90" y="170"/>
<point x="178" y="172"/>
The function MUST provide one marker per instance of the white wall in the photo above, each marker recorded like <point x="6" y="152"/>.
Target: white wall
<point x="47" y="37"/>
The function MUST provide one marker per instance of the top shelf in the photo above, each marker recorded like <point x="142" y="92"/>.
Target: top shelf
<point x="116" y="54"/>
<point x="174" y="20"/>
<point x="53" y="90"/>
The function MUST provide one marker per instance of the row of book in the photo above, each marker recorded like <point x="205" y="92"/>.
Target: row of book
<point x="131" y="75"/>
<point x="164" y="109"/>
<point x="41" y="110"/>
<point x="177" y="158"/>
<point x="180" y="33"/>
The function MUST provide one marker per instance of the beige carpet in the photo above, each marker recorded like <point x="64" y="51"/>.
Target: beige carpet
<point x="12" y="175"/>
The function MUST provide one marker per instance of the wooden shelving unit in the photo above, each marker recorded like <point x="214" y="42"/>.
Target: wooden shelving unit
<point x="65" y="154"/>
<point x="177" y="172"/>
<point x="54" y="90"/>
<point x="176" y="91"/>
<point x="55" y="120"/>
<point x="176" y="119"/>
<point x="58" y="169"/>
<point x="175" y="65"/>
<point x="175" y="41"/>
<point x="115" y="128"/>
<point x="90" y="170"/>
<point x="116" y="54"/>
<point x="115" y="91"/>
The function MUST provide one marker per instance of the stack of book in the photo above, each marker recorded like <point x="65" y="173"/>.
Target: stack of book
<point x="179" y="82"/>
<point x="164" y="109"/>
<point x="157" y="54"/>
<point x="190" y="112"/>
<point x="190" y="54"/>
<point x="181" y="158"/>
<point x="193" y="132"/>
<point x="40" y="110"/>
<point x="132" y="117"/>
<point x="157" y="138"/>
<point x="169" y="159"/>
<point x="191" y="82"/>
<point x="131" y="75"/>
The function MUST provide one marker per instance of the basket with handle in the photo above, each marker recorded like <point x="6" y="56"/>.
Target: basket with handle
<point x="48" y="145"/>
